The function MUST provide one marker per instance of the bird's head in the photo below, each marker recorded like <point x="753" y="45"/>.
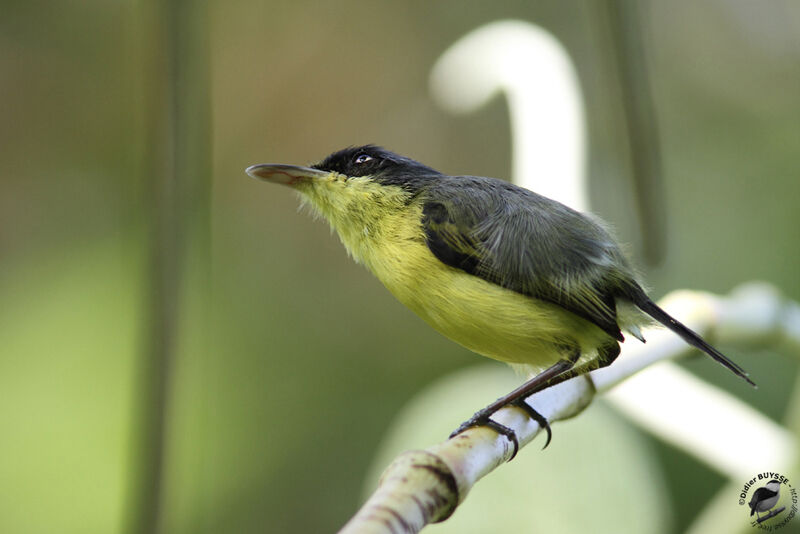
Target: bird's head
<point x="353" y="167"/>
<point x="354" y="188"/>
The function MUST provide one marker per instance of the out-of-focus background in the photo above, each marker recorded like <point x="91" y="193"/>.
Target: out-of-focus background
<point x="180" y="349"/>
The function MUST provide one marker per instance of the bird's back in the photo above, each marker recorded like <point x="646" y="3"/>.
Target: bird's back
<point x="528" y="243"/>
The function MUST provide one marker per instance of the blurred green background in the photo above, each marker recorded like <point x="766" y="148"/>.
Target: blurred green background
<point x="181" y="350"/>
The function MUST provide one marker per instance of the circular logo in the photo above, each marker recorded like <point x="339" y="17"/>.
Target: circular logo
<point x="769" y="500"/>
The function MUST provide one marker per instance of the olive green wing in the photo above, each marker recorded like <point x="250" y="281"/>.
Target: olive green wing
<point x="527" y="243"/>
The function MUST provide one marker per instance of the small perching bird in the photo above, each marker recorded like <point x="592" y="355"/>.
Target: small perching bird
<point x="765" y="498"/>
<point x="503" y="271"/>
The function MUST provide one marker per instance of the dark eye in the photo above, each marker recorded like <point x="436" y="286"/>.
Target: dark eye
<point x="363" y="158"/>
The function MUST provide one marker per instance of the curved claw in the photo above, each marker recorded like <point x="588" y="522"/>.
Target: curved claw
<point x="536" y="416"/>
<point x="484" y="419"/>
<point x="503" y="430"/>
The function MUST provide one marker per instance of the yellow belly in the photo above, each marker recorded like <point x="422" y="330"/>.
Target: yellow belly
<point x="482" y="316"/>
<point x="493" y="321"/>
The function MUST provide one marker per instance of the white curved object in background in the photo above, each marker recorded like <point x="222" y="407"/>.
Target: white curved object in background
<point x="533" y="70"/>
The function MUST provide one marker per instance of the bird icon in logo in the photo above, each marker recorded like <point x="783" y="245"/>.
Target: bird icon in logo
<point x="765" y="498"/>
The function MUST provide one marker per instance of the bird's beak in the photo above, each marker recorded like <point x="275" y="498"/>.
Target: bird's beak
<point x="278" y="173"/>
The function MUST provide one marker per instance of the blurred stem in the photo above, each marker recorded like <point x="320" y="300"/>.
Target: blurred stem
<point x="626" y="26"/>
<point x="177" y="146"/>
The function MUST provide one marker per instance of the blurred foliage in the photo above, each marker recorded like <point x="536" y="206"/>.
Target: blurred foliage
<point x="68" y="325"/>
<point x="279" y="399"/>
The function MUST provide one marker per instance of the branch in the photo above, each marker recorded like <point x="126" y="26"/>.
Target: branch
<point x="741" y="440"/>
<point x="421" y="487"/>
<point x="770" y="515"/>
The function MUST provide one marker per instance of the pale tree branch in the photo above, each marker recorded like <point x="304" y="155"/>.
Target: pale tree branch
<point x="737" y="440"/>
<point x="426" y="486"/>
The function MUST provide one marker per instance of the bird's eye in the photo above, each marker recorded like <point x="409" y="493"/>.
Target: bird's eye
<point x="363" y="158"/>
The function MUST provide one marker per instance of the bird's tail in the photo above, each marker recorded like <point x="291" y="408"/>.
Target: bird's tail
<point x="643" y="302"/>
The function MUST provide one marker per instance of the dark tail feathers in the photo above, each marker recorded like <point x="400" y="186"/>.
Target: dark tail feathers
<point x="643" y="302"/>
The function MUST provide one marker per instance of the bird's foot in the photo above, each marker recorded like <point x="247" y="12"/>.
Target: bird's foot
<point x="483" y="418"/>
<point x="544" y="424"/>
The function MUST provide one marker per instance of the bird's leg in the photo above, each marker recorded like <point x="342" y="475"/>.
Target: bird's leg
<point x="537" y="383"/>
<point x="606" y="355"/>
<point x="559" y="372"/>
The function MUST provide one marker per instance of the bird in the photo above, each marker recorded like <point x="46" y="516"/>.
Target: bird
<point x="505" y="272"/>
<point x="765" y="498"/>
